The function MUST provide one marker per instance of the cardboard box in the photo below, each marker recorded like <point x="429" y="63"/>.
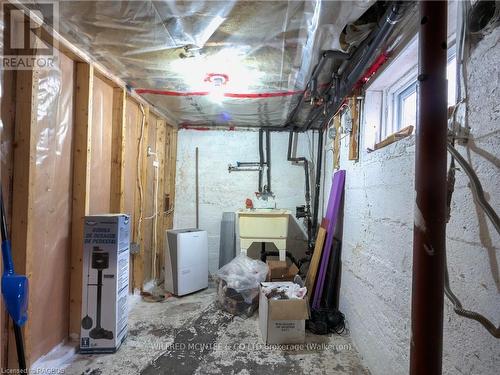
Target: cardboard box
<point x="280" y="271"/>
<point x="282" y="321"/>
<point x="105" y="283"/>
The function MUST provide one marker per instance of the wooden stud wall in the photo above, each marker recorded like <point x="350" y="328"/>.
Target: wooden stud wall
<point x="81" y="185"/>
<point x="354" y="136"/>
<point x="138" y="259"/>
<point x="117" y="150"/>
<point x="24" y="164"/>
<point x="22" y="198"/>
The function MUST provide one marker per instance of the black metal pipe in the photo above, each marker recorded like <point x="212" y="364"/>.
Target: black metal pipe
<point x="335" y="55"/>
<point x="268" y="160"/>
<point x="308" y="187"/>
<point x="429" y="232"/>
<point x="363" y="54"/>
<point x="312" y="85"/>
<point x="261" y="158"/>
<point x="317" y="184"/>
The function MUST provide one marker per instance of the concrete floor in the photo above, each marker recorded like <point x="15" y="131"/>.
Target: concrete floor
<point x="190" y="335"/>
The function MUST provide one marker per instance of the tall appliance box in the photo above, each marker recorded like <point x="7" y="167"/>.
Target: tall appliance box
<point x="186" y="261"/>
<point x="106" y="244"/>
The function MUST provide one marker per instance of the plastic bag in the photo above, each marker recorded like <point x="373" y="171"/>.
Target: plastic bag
<point x="243" y="273"/>
<point x="238" y="285"/>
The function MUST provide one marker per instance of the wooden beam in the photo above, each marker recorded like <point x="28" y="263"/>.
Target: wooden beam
<point x="170" y="169"/>
<point x="138" y="259"/>
<point x="23" y="181"/>
<point x="81" y="185"/>
<point x="354" y="137"/>
<point x="336" y="142"/>
<point x="403" y="133"/>
<point x="160" y="155"/>
<point x="118" y="150"/>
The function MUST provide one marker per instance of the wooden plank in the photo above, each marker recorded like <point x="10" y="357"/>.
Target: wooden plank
<point x="332" y="214"/>
<point x="22" y="198"/>
<point x="403" y="133"/>
<point x="81" y="185"/>
<point x="336" y="142"/>
<point x="316" y="257"/>
<point x="138" y="259"/>
<point x="171" y="175"/>
<point x="354" y="137"/>
<point x="8" y="110"/>
<point x="118" y="151"/>
<point x="160" y="155"/>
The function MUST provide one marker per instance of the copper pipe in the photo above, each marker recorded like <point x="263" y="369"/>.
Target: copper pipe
<point x="426" y="342"/>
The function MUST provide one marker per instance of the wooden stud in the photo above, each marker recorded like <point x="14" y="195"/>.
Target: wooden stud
<point x="22" y="198"/>
<point x="138" y="259"/>
<point x="170" y="175"/>
<point x="118" y="151"/>
<point x="354" y="137"/>
<point x="336" y="142"/>
<point x="160" y="154"/>
<point x="403" y="133"/>
<point x="81" y="186"/>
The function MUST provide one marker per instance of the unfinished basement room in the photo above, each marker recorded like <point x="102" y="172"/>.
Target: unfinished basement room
<point x="250" y="187"/>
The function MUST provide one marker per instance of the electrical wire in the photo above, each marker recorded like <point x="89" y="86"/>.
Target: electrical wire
<point x="479" y="193"/>
<point x="476" y="187"/>
<point x="138" y="165"/>
<point x="461" y="97"/>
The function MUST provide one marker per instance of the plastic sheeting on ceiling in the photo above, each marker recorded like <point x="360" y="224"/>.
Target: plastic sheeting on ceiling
<point x="231" y="63"/>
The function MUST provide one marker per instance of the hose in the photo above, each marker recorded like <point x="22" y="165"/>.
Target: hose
<point x="478" y="191"/>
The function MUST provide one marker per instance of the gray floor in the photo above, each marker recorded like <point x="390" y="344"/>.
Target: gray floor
<point x="190" y="335"/>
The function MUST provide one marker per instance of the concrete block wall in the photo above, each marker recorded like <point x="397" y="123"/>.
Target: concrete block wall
<point x="377" y="246"/>
<point x="221" y="191"/>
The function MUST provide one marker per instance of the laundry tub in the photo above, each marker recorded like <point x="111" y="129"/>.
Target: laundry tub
<point x="263" y="225"/>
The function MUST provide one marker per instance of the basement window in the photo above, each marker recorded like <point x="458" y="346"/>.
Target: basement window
<point x="391" y="99"/>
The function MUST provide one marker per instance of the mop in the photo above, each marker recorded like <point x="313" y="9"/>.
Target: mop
<point x="14" y="291"/>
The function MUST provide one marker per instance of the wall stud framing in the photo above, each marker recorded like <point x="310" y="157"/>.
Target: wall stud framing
<point x="138" y="259"/>
<point x="22" y="197"/>
<point x="118" y="150"/>
<point x="81" y="185"/>
<point x="354" y="137"/>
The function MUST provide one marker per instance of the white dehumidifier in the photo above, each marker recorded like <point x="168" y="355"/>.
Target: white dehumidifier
<point x="186" y="261"/>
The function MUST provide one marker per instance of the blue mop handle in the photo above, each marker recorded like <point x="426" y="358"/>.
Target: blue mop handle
<point x="8" y="264"/>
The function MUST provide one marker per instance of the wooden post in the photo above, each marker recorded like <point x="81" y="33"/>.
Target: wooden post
<point x="160" y="155"/>
<point x="22" y="198"/>
<point x="138" y="259"/>
<point x="81" y="186"/>
<point x="336" y="142"/>
<point x="354" y="137"/>
<point x="117" y="150"/>
<point x="170" y="165"/>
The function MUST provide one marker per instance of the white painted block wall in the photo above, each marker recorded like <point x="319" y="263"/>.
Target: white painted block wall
<point x="221" y="191"/>
<point x="377" y="246"/>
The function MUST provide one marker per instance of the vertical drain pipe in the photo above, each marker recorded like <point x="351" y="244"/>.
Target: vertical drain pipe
<point x="426" y="340"/>
<point x="317" y="184"/>
<point x="268" y="160"/>
<point x="261" y="158"/>
<point x="197" y="183"/>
